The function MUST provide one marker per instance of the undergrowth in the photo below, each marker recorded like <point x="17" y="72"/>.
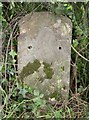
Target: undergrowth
<point x="21" y="101"/>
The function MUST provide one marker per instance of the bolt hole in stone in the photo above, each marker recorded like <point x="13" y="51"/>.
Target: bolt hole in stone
<point x="64" y="87"/>
<point x="59" y="48"/>
<point x="29" y="47"/>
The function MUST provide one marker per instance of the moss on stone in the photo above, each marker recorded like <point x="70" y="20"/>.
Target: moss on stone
<point x="48" y="70"/>
<point x="30" y="68"/>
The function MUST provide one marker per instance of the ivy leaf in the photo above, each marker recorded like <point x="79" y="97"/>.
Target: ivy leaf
<point x="58" y="114"/>
<point x="75" y="43"/>
<point x="41" y="95"/>
<point x="23" y="92"/>
<point x="38" y="101"/>
<point x="12" y="53"/>
<point x="14" y="61"/>
<point x="36" y="93"/>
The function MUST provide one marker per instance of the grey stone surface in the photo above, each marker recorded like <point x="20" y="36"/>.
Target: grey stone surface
<point x="44" y="51"/>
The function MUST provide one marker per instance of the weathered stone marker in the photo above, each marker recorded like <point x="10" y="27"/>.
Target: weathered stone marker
<point x="44" y="51"/>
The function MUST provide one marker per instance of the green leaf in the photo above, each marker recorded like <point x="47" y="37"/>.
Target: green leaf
<point x="58" y="114"/>
<point x="23" y="92"/>
<point x="30" y="90"/>
<point x="48" y="116"/>
<point x="38" y="101"/>
<point x="2" y="69"/>
<point x="14" y="61"/>
<point x="36" y="92"/>
<point x="1" y="5"/>
<point x="12" y="53"/>
<point x="75" y="43"/>
<point x="41" y="95"/>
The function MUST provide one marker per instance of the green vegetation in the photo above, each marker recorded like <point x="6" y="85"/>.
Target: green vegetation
<point x="48" y="70"/>
<point x="30" y="68"/>
<point x="21" y="101"/>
